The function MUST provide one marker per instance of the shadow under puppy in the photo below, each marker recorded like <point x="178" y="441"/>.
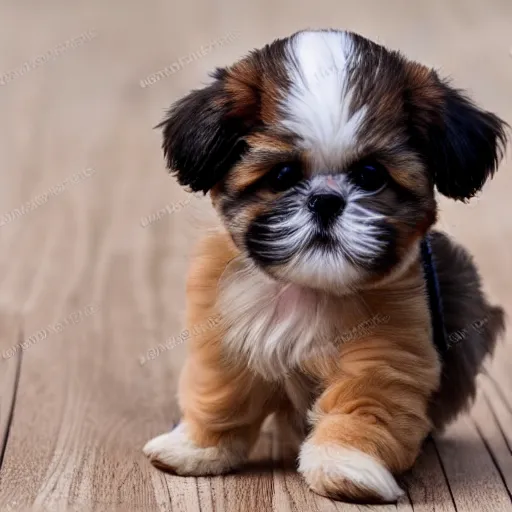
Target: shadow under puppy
<point x="321" y="153"/>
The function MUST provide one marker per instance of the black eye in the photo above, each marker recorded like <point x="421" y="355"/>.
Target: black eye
<point x="284" y="176"/>
<point x="370" y="176"/>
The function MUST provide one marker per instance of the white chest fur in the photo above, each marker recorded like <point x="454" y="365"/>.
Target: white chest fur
<point x="275" y="327"/>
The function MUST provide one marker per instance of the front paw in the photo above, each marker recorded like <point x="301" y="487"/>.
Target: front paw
<point x="340" y="472"/>
<point x="177" y="452"/>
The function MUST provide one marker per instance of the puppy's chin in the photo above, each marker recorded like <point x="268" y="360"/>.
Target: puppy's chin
<point x="345" y="255"/>
<point x="331" y="270"/>
<point x="321" y="271"/>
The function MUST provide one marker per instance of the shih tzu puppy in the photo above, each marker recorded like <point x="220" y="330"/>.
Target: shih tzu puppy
<point x="336" y="302"/>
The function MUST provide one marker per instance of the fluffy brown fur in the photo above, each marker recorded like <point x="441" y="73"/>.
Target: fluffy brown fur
<point x="325" y="321"/>
<point x="372" y="395"/>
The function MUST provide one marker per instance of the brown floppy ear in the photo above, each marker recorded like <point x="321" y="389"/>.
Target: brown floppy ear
<point x="461" y="143"/>
<point x="203" y="133"/>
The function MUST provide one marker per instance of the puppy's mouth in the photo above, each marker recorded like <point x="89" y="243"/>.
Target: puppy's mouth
<point x="324" y="240"/>
<point x="310" y="244"/>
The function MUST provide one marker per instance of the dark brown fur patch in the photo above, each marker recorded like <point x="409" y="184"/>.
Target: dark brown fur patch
<point x="257" y="83"/>
<point x="472" y="326"/>
<point x="253" y="168"/>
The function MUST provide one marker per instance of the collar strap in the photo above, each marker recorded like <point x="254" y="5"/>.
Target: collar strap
<point x="434" y="295"/>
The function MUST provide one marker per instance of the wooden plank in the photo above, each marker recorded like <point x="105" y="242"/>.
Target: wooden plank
<point x="492" y="432"/>
<point x="474" y="480"/>
<point x="426" y="483"/>
<point x="10" y="363"/>
<point x="85" y="404"/>
<point x="499" y="409"/>
<point x="9" y="378"/>
<point x="292" y="495"/>
<point x="10" y="366"/>
<point x="85" y="454"/>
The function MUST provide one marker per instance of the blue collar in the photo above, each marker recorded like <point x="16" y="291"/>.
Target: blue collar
<point x="434" y="295"/>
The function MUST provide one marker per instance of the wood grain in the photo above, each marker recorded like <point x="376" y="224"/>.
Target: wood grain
<point x="95" y="287"/>
<point x="10" y="360"/>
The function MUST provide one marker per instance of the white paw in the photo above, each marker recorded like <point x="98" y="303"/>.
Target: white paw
<point x="177" y="452"/>
<point x="336" y="471"/>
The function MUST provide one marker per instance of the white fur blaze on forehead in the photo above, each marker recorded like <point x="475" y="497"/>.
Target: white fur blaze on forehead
<point x="317" y="107"/>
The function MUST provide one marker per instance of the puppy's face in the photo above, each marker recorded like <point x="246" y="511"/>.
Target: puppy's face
<point x="321" y="153"/>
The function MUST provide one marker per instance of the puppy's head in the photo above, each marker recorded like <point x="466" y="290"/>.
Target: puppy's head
<point x="321" y="153"/>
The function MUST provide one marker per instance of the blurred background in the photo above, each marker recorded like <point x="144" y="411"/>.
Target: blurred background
<point x="95" y="238"/>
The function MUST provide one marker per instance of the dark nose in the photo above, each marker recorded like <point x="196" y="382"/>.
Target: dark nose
<point x="327" y="206"/>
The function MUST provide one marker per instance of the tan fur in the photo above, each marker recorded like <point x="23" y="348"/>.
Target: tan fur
<point x="316" y="285"/>
<point x="372" y="396"/>
<point x="209" y="385"/>
<point x="244" y="79"/>
<point x="411" y="176"/>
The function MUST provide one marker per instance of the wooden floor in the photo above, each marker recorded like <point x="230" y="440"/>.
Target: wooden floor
<point x="92" y="277"/>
